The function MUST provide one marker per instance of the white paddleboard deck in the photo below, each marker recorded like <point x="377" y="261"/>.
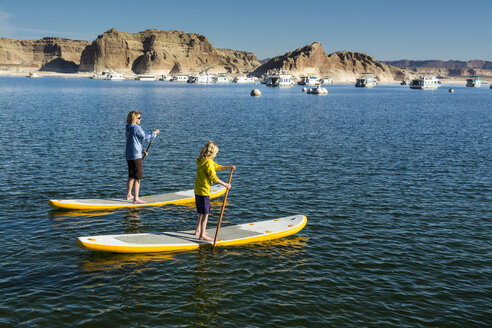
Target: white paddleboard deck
<point x="186" y="240"/>
<point x="176" y="198"/>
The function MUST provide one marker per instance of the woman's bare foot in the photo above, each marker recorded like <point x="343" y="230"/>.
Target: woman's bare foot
<point x="197" y="233"/>
<point x="129" y="198"/>
<point x="206" y="238"/>
<point x="138" y="201"/>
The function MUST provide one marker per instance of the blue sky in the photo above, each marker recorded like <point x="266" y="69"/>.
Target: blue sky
<point x="384" y="29"/>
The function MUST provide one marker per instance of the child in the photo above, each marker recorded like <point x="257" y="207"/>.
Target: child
<point x="205" y="176"/>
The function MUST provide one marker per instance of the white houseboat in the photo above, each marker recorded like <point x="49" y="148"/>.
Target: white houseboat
<point x="326" y="80"/>
<point x="201" y="78"/>
<point x="166" y="78"/>
<point x="33" y="75"/>
<point x="366" y="81"/>
<point x="282" y="79"/>
<point x="145" y="78"/>
<point x="244" y="79"/>
<point x="474" y="82"/>
<point x="114" y="76"/>
<point x="222" y="79"/>
<point x="98" y="76"/>
<point x="425" y="83"/>
<point x="180" y="78"/>
<point x="309" y="80"/>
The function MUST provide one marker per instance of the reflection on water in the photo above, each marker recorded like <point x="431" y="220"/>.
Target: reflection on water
<point x="206" y="295"/>
<point x="97" y="262"/>
<point x="132" y="220"/>
<point x="59" y="214"/>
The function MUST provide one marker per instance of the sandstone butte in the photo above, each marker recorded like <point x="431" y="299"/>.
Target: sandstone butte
<point x="341" y="66"/>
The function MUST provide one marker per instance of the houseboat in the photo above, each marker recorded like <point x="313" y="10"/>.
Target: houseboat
<point x="166" y="77"/>
<point x="98" y="76"/>
<point x="145" y="78"/>
<point x="474" y="82"/>
<point x="309" y="80"/>
<point x="244" y="79"/>
<point x="326" y="80"/>
<point x="367" y="81"/>
<point x="222" y="79"/>
<point x="114" y="76"/>
<point x="282" y="79"/>
<point x="33" y="75"/>
<point x="201" y="78"/>
<point x="180" y="78"/>
<point x="425" y="83"/>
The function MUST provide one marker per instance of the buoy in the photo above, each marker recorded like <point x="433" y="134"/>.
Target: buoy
<point x="256" y="93"/>
<point x="451" y="90"/>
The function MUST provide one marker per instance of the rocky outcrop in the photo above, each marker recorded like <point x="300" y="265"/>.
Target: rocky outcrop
<point x="162" y="52"/>
<point x="342" y="66"/>
<point x="48" y="54"/>
<point x="450" y="64"/>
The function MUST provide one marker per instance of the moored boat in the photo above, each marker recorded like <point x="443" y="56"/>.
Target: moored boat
<point x="282" y="79"/>
<point x="244" y="79"/>
<point x="474" y="82"/>
<point x="318" y="90"/>
<point x="97" y="76"/>
<point x="201" y="78"/>
<point x="326" y="80"/>
<point x="309" y="80"/>
<point x="166" y="77"/>
<point x="114" y="76"/>
<point x="222" y="79"/>
<point x="33" y="75"/>
<point x="366" y="81"/>
<point x="145" y="78"/>
<point x="180" y="78"/>
<point x="425" y="83"/>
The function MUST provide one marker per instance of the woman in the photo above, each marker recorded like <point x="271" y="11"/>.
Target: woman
<point x="135" y="135"/>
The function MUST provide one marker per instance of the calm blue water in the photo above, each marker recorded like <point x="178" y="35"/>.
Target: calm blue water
<point x="396" y="185"/>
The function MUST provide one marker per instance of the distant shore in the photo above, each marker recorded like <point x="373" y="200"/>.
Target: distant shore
<point x="444" y="80"/>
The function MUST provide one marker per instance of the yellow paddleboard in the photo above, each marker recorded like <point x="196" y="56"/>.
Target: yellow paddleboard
<point x="186" y="240"/>
<point x="175" y="198"/>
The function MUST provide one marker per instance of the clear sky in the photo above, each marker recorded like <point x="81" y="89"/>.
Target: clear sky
<point x="384" y="29"/>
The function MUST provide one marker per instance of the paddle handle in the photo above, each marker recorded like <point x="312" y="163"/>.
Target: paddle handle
<point x="222" y="212"/>
<point x="148" y="147"/>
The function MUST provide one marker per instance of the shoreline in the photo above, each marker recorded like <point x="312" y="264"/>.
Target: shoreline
<point x="444" y="80"/>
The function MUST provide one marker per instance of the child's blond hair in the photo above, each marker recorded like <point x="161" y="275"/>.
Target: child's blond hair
<point x="209" y="151"/>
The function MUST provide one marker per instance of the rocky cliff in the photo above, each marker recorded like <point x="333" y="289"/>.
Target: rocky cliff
<point x="342" y="66"/>
<point x="450" y="64"/>
<point x="48" y="54"/>
<point x="162" y="52"/>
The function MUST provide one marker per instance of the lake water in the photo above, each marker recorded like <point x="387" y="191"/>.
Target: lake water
<point x="396" y="185"/>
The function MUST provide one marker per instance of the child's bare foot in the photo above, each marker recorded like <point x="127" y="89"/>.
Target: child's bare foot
<point x="197" y="233"/>
<point x="206" y="238"/>
<point x="138" y="201"/>
<point x="129" y="198"/>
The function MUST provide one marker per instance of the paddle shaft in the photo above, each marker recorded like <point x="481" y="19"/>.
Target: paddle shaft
<point x="222" y="212"/>
<point x="148" y="147"/>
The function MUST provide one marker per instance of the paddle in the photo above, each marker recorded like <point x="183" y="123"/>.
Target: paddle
<point x="148" y="147"/>
<point x="222" y="212"/>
